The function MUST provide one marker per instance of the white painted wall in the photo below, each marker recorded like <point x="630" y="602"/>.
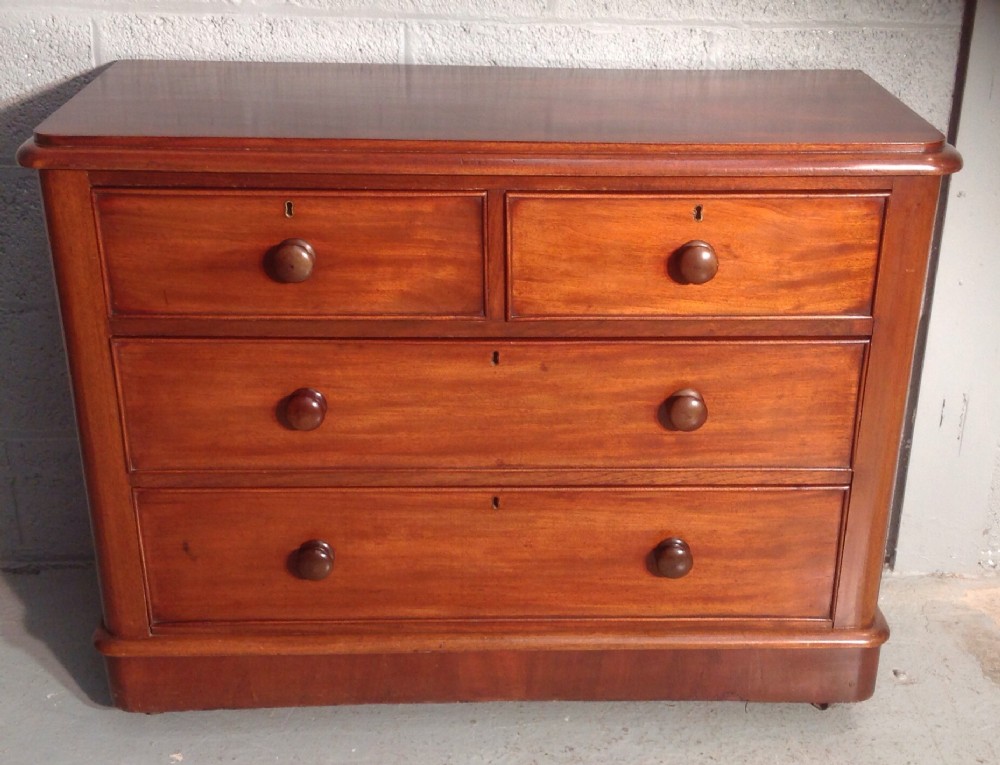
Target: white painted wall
<point x="951" y="511"/>
<point x="48" y="49"/>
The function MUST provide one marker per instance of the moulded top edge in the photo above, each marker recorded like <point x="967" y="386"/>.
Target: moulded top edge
<point x="164" y="105"/>
<point x="728" y="161"/>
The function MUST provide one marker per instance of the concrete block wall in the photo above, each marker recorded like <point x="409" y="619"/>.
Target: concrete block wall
<point x="951" y="508"/>
<point x="49" y="50"/>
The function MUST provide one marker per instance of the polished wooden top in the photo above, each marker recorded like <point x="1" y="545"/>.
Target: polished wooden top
<point x="175" y="104"/>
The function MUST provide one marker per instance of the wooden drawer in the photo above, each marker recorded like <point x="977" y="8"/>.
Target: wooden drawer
<point x="613" y="255"/>
<point x="217" y="405"/>
<point x="231" y="554"/>
<point x="494" y="496"/>
<point x="384" y="254"/>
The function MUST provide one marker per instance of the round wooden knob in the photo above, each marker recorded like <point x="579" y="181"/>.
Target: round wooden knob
<point x="685" y="410"/>
<point x="291" y="261"/>
<point x="696" y="262"/>
<point x="313" y="560"/>
<point x="303" y="410"/>
<point x="672" y="558"/>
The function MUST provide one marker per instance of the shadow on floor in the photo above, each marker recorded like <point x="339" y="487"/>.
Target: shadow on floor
<point x="56" y="608"/>
<point x="61" y="608"/>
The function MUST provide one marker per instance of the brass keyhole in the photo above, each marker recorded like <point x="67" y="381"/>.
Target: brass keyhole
<point x="289" y="209"/>
<point x="697" y="213"/>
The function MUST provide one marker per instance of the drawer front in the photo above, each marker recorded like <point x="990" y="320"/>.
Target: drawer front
<point x="195" y="404"/>
<point x="234" y="554"/>
<point x="581" y="256"/>
<point x="219" y="253"/>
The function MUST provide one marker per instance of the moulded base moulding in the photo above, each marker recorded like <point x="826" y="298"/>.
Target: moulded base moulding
<point x="195" y="672"/>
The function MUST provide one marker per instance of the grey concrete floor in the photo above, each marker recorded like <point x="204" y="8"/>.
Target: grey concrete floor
<point x="937" y="701"/>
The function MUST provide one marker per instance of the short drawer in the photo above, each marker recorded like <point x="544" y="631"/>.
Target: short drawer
<point x="227" y="253"/>
<point x="616" y="255"/>
<point x="305" y="405"/>
<point x="237" y="555"/>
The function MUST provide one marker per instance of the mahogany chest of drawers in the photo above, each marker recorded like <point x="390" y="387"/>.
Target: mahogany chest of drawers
<point x="425" y="383"/>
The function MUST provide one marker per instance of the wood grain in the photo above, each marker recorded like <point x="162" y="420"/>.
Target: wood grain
<point x="77" y="266"/>
<point x="902" y="274"/>
<point x="511" y="477"/>
<point x="803" y="666"/>
<point x="378" y="119"/>
<point x="377" y="254"/>
<point x="485" y="302"/>
<point x="745" y="162"/>
<point x="250" y="178"/>
<point x="223" y="555"/>
<point x="610" y="255"/>
<point x="281" y="105"/>
<point x="435" y="328"/>
<point x="393" y="635"/>
<point x="189" y="405"/>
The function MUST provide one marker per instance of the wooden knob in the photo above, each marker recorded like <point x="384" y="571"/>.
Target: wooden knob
<point x="291" y="261"/>
<point x="303" y="410"/>
<point x="672" y="558"/>
<point x="696" y="262"/>
<point x="685" y="410"/>
<point x="313" y="560"/>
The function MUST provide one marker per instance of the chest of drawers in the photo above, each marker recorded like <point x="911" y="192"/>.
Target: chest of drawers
<point x="428" y="384"/>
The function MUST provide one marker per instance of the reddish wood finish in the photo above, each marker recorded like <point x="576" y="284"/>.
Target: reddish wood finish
<point x="77" y="266"/>
<point x="378" y="119"/>
<point x="672" y="558"/>
<point x="251" y="178"/>
<point x="345" y="477"/>
<point x="163" y="683"/>
<point x="694" y="262"/>
<point x="610" y="255"/>
<point x="305" y="106"/>
<point x="305" y="409"/>
<point x="724" y="326"/>
<point x="565" y="660"/>
<point x="902" y="274"/>
<point x="495" y="279"/>
<point x="684" y="410"/>
<point x="375" y="254"/>
<point x="402" y="635"/>
<point x="292" y="261"/>
<point x="222" y="555"/>
<point x="313" y="561"/>
<point x="481" y="406"/>
<point x="687" y="162"/>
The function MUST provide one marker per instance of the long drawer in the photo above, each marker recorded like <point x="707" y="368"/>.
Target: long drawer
<point x="238" y="555"/>
<point x="289" y="253"/>
<point x="196" y="405"/>
<point x="618" y="255"/>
